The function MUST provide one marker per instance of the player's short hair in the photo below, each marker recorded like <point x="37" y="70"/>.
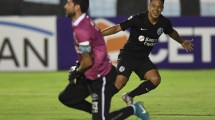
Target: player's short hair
<point x="160" y="0"/>
<point x="84" y="4"/>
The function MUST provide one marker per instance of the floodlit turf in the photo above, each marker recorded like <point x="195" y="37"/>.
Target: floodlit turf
<point x="182" y="95"/>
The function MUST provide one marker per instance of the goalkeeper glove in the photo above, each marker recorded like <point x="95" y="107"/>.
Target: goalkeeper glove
<point x="73" y="73"/>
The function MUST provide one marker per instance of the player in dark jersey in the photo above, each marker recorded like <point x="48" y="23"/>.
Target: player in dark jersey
<point x="95" y="75"/>
<point x="145" y="29"/>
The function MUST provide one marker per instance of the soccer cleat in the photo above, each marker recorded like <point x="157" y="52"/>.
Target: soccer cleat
<point x="127" y="99"/>
<point x="140" y="111"/>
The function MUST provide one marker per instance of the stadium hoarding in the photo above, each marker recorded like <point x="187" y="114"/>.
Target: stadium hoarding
<point x="167" y="54"/>
<point x="202" y="31"/>
<point x="28" y="43"/>
<point x="45" y="43"/>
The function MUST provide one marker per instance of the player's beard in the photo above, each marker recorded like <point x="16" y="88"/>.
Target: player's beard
<point x="69" y="15"/>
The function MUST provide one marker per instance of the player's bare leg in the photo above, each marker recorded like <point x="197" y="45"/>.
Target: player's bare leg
<point x="119" y="84"/>
<point x="120" y="81"/>
<point x="154" y="76"/>
<point x="153" y="79"/>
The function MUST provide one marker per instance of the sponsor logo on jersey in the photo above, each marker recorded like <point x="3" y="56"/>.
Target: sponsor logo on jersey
<point x="141" y="38"/>
<point x="147" y="41"/>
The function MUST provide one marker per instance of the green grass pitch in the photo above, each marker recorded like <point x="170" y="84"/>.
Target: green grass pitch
<point x="182" y="95"/>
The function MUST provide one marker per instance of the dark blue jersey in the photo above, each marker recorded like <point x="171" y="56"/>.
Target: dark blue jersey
<point x="143" y="34"/>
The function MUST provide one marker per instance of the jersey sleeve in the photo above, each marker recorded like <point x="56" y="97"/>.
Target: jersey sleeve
<point x="82" y="36"/>
<point x="129" y="22"/>
<point x="168" y="27"/>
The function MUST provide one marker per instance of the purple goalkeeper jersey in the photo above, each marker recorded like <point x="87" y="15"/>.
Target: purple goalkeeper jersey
<point x="85" y="32"/>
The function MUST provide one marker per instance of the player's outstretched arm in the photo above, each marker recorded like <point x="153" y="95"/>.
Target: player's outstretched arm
<point x="186" y="44"/>
<point x="111" y="30"/>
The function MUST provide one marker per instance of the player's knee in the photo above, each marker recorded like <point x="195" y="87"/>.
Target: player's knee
<point x="121" y="81"/>
<point x="156" y="80"/>
<point x="61" y="98"/>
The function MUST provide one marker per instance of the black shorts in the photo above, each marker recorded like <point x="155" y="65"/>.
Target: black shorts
<point x="127" y="64"/>
<point x="101" y="92"/>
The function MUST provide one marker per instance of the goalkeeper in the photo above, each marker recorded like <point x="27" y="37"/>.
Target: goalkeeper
<point x="95" y="75"/>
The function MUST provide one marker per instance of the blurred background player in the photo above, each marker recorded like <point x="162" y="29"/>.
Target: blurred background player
<point x="145" y="29"/>
<point x="95" y="75"/>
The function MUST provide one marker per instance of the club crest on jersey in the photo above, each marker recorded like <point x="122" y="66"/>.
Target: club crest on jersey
<point x="160" y="31"/>
<point x="121" y="68"/>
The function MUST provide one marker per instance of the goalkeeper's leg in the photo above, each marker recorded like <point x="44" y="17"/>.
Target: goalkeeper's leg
<point x="74" y="96"/>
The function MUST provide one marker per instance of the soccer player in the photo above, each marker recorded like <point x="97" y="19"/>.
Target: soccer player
<point x="145" y="29"/>
<point x="94" y="75"/>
